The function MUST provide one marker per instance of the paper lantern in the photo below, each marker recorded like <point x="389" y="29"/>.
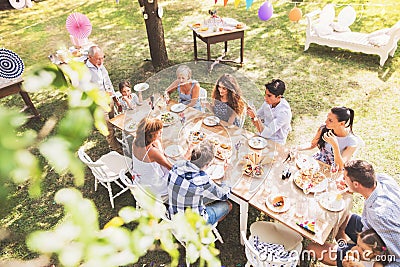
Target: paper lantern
<point x="347" y="16"/>
<point x="266" y="10"/>
<point x="295" y="14"/>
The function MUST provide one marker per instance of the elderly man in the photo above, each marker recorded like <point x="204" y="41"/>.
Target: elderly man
<point x="101" y="78"/>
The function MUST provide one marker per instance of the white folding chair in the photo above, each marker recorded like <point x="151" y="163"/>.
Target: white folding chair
<point x="106" y="170"/>
<point x="130" y="184"/>
<point x="274" y="233"/>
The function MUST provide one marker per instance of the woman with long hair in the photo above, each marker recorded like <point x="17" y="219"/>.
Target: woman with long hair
<point x="335" y="139"/>
<point x="227" y="102"/>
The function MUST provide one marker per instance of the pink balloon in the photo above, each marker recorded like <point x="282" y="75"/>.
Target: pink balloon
<point x="266" y="10"/>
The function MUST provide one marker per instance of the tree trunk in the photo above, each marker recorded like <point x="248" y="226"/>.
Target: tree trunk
<point x="155" y="33"/>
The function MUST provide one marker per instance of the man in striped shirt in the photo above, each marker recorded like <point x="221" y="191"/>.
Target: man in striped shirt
<point x="189" y="186"/>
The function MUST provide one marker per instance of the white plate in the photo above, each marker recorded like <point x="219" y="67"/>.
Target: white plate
<point x="130" y="126"/>
<point x="286" y="205"/>
<point x="329" y="201"/>
<point x="173" y="151"/>
<point x="305" y="162"/>
<point x="141" y="87"/>
<point x="258" y="142"/>
<point x="315" y="189"/>
<point x="173" y="116"/>
<point x="211" y="121"/>
<point x="215" y="171"/>
<point x="178" y="107"/>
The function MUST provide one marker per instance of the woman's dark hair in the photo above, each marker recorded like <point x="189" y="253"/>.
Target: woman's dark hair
<point x="123" y="84"/>
<point x="235" y="100"/>
<point x="146" y="131"/>
<point x="342" y="114"/>
<point x="371" y="238"/>
<point x="276" y="87"/>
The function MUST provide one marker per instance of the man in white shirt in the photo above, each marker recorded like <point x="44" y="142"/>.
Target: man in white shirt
<point x="101" y="78"/>
<point x="273" y="119"/>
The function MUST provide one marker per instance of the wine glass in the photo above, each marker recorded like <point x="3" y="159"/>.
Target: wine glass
<point x="266" y="190"/>
<point x="333" y="171"/>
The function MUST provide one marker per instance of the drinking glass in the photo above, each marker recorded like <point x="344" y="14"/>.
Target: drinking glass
<point x="266" y="190"/>
<point x="251" y="105"/>
<point x="301" y="207"/>
<point x="333" y="171"/>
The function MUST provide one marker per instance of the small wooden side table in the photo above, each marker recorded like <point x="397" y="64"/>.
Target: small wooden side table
<point x="14" y="86"/>
<point x="209" y="38"/>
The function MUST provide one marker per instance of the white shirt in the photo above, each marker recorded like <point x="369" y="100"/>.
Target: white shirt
<point x="276" y="121"/>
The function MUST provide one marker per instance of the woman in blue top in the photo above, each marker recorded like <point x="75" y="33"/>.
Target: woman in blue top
<point x="187" y="88"/>
<point x="335" y="139"/>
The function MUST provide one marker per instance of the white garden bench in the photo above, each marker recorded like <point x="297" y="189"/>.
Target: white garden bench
<point x="382" y="42"/>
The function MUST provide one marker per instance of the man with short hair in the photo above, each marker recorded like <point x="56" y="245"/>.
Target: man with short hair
<point x="381" y="211"/>
<point x="189" y="186"/>
<point x="100" y="77"/>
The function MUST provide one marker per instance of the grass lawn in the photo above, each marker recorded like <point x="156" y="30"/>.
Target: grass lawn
<point x="316" y="80"/>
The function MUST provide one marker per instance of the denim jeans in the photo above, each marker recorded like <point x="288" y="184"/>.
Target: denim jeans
<point x="216" y="210"/>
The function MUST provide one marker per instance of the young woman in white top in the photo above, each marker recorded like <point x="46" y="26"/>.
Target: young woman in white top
<point x="150" y="165"/>
<point x="335" y="139"/>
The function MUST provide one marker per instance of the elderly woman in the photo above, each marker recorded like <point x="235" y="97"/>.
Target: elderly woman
<point x="227" y="103"/>
<point x="149" y="162"/>
<point x="272" y="120"/>
<point x="187" y="88"/>
<point x="335" y="139"/>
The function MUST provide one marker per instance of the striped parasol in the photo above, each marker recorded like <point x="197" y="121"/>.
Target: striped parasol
<point x="11" y="65"/>
<point x="78" y="25"/>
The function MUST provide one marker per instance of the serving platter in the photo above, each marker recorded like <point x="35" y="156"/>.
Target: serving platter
<point x="318" y="180"/>
<point x="168" y="118"/>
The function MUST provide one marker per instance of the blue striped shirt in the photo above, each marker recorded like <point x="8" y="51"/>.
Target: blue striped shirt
<point x="190" y="187"/>
<point x="382" y="213"/>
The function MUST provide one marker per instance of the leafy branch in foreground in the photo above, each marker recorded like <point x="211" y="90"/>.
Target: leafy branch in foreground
<point x="78" y="240"/>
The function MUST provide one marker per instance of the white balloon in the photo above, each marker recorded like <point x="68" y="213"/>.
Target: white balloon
<point x="347" y="16"/>
<point x="327" y="14"/>
<point x="17" y="4"/>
